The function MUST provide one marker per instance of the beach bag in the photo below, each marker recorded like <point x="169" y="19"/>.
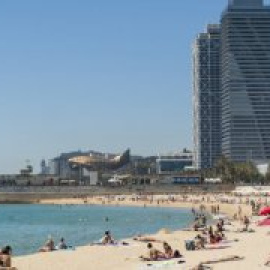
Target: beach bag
<point x="190" y="244"/>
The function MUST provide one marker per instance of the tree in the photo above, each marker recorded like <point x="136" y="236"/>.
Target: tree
<point x="232" y="172"/>
<point x="267" y="176"/>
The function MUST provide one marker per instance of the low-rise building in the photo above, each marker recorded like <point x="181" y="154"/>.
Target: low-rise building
<point x="174" y="163"/>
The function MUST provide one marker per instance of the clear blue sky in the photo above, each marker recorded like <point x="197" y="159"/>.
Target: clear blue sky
<point x="97" y="74"/>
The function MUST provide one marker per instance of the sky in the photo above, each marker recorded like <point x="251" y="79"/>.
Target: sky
<point x="104" y="75"/>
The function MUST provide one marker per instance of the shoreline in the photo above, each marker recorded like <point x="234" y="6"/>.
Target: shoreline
<point x="225" y="208"/>
<point x="120" y="257"/>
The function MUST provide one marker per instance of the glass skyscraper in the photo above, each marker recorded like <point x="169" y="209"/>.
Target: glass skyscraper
<point x="231" y="86"/>
<point x="206" y="98"/>
<point x="245" y="80"/>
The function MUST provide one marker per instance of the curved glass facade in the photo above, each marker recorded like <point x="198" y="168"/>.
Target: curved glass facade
<point x="245" y="80"/>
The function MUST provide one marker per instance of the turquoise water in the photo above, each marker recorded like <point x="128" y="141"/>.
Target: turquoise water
<point x="26" y="227"/>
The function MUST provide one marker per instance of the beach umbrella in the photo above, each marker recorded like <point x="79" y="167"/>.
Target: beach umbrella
<point x="265" y="222"/>
<point x="265" y="211"/>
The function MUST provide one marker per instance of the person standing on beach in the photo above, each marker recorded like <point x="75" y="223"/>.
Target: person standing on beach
<point x="246" y="223"/>
<point x="239" y="212"/>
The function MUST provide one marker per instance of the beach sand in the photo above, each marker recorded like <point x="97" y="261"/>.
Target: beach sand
<point x="253" y="247"/>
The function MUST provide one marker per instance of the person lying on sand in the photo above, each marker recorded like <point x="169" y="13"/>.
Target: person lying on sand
<point x="49" y="246"/>
<point x="154" y="254"/>
<point x="201" y="265"/>
<point x="243" y="230"/>
<point x="146" y="239"/>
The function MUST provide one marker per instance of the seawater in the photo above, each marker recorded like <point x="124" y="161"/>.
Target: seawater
<point x="27" y="227"/>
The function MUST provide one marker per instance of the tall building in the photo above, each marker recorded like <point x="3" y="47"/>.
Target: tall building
<point x="207" y="98"/>
<point x="245" y="80"/>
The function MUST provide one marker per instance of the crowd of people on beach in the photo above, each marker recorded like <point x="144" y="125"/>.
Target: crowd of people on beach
<point x="209" y="233"/>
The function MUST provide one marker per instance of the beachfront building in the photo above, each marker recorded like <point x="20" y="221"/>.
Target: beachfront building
<point x="245" y="76"/>
<point x="173" y="163"/>
<point x="245" y="83"/>
<point x="206" y="98"/>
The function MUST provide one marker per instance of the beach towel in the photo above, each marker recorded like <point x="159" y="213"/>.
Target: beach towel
<point x="117" y="244"/>
<point x="210" y="247"/>
<point x="163" y="264"/>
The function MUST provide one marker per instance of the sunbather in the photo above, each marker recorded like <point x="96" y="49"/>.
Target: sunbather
<point x="62" y="244"/>
<point x="169" y="253"/>
<point x="146" y="239"/>
<point x="199" y="242"/>
<point x="5" y="256"/>
<point x="107" y="239"/>
<point x="49" y="246"/>
<point x="200" y="266"/>
<point x="154" y="254"/>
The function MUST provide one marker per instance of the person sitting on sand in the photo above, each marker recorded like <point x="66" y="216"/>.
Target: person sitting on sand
<point x="107" y="239"/>
<point x="199" y="242"/>
<point x="220" y="226"/>
<point x="49" y="246"/>
<point x="154" y="254"/>
<point x="196" y="225"/>
<point x="62" y="244"/>
<point x="168" y="251"/>
<point x="218" y="237"/>
<point x="210" y="230"/>
<point x="212" y="238"/>
<point x="5" y="256"/>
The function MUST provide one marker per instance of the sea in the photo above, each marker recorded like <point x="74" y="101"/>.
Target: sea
<point x="26" y="227"/>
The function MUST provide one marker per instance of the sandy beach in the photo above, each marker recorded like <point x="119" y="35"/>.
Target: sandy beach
<point x="252" y="246"/>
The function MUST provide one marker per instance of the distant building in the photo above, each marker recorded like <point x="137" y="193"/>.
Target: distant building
<point x="61" y="167"/>
<point x="173" y="163"/>
<point x="44" y="169"/>
<point x="207" y="98"/>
